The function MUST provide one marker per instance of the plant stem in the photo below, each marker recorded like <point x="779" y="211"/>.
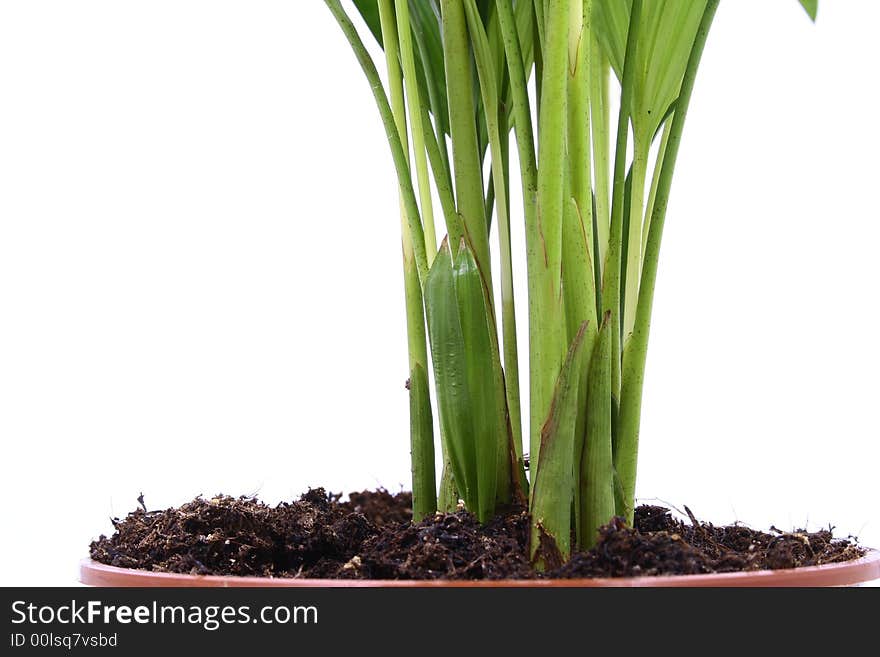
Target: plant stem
<point x="578" y="274"/>
<point x="413" y="98"/>
<point x="508" y="323"/>
<point x="525" y="142"/>
<point x="395" y="143"/>
<point x="489" y="90"/>
<point x="522" y="116"/>
<point x="424" y="484"/>
<point x="626" y="453"/>
<point x="465" y="150"/>
<point x="438" y="108"/>
<point x="601" y="124"/>
<point x="392" y="65"/>
<point x="633" y="264"/>
<point x="539" y="23"/>
<point x="442" y="179"/>
<point x="548" y="348"/>
<point x="421" y="423"/>
<point x="611" y="291"/>
<point x="655" y="180"/>
<point x="578" y="126"/>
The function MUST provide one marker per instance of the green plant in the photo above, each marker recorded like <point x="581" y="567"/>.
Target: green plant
<point x="458" y="75"/>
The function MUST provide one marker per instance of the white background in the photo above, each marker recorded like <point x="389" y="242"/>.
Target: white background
<point x="200" y="286"/>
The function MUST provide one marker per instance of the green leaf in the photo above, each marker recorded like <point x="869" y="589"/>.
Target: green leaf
<point x="470" y="383"/>
<point x="811" y="7"/>
<point x="484" y="383"/>
<point x="447" y="499"/>
<point x="450" y="374"/>
<point x="369" y="11"/>
<point x="597" y="504"/>
<point x="610" y="26"/>
<point x="553" y="487"/>
<point x="662" y="60"/>
<point x="666" y="34"/>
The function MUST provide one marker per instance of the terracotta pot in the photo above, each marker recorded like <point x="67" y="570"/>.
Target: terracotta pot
<point x="848" y="573"/>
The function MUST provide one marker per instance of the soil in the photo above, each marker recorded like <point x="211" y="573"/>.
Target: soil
<point x="371" y="536"/>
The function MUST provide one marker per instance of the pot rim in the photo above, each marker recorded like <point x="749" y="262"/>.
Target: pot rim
<point x="845" y="573"/>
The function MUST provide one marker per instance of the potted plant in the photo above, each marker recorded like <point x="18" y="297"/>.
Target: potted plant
<point x="594" y="209"/>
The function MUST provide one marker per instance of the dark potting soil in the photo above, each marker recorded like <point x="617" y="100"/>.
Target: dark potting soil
<point x="370" y="536"/>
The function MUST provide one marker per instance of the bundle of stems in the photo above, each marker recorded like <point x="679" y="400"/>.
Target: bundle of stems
<point x="462" y="76"/>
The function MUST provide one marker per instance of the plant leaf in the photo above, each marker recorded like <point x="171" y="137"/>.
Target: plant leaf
<point x="450" y="374"/>
<point x="485" y="382"/>
<point x="610" y="26"/>
<point x="447" y="498"/>
<point x="811" y="7"/>
<point x="553" y="487"/>
<point x="369" y="11"/>
<point x="596" y="463"/>
<point x="667" y="29"/>
<point x="662" y="60"/>
<point x="470" y="383"/>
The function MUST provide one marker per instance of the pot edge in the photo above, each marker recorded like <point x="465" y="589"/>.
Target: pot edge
<point x="847" y="573"/>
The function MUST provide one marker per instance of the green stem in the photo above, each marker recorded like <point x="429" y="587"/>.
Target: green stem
<point x="577" y="241"/>
<point x="508" y="314"/>
<point x="395" y="143"/>
<point x="489" y="203"/>
<point x="539" y="23"/>
<point x="522" y="113"/>
<point x="547" y="351"/>
<point x="525" y="142"/>
<point x="579" y="282"/>
<point x="601" y="124"/>
<point x="442" y="179"/>
<point x="421" y="422"/>
<point x="424" y="484"/>
<point x="655" y="180"/>
<point x="508" y="321"/>
<point x="611" y="291"/>
<point x="633" y="264"/>
<point x="392" y="66"/>
<point x="626" y="454"/>
<point x="465" y="149"/>
<point x="489" y="91"/>
<point x="579" y="159"/>
<point x="414" y="102"/>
